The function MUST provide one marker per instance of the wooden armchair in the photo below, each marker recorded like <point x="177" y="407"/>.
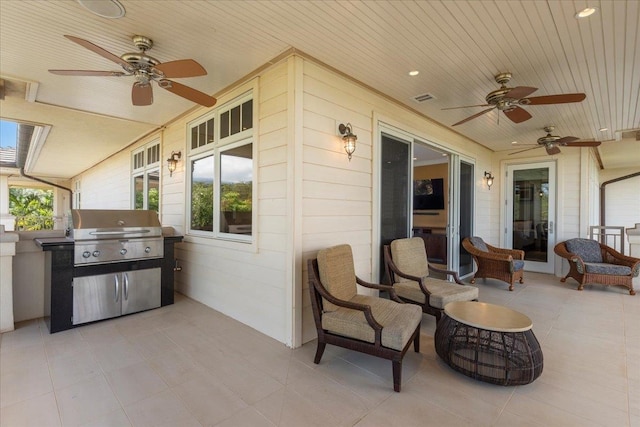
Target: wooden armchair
<point x="380" y="327"/>
<point x="495" y="263"/>
<point x="593" y="262"/>
<point x="408" y="269"/>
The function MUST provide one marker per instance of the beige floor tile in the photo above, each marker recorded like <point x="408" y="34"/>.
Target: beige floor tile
<point x="247" y="417"/>
<point x="164" y="408"/>
<point x="25" y="382"/>
<point x="118" y="354"/>
<point x="86" y="401"/>
<point x="115" y="418"/>
<point x="152" y="344"/>
<point x="286" y="408"/>
<point x="545" y="414"/>
<point x="209" y="400"/>
<point x="74" y="368"/>
<point x="135" y="382"/>
<point x="101" y="333"/>
<point x="175" y="367"/>
<point x="39" y="411"/>
<point x="22" y="358"/>
<point x="25" y="334"/>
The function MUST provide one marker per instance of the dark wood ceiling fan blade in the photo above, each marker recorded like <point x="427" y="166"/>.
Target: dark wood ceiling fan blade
<point x="552" y="149"/>
<point x="583" y="144"/>
<point x="526" y="149"/>
<point x="520" y="92"/>
<point x="566" y="139"/>
<point x="474" y="116"/>
<point x="181" y="68"/>
<point x="88" y="73"/>
<point x="188" y="92"/>
<point x="556" y="99"/>
<point x="466" y="106"/>
<point x="142" y="94"/>
<point x="518" y="115"/>
<point x="100" y="51"/>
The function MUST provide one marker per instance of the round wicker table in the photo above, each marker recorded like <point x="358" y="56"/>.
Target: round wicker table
<point x="489" y="343"/>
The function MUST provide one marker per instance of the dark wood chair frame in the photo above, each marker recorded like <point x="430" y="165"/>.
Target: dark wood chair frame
<point x="318" y="292"/>
<point x="609" y="256"/>
<point x="495" y="264"/>
<point x="393" y="270"/>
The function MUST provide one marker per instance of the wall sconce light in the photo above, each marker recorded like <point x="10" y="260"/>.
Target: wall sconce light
<point x="348" y="138"/>
<point x="172" y="161"/>
<point x="489" y="178"/>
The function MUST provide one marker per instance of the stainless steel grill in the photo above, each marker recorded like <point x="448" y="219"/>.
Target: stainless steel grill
<point x="108" y="236"/>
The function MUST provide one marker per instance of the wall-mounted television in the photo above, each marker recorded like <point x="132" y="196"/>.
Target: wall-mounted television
<point x="428" y="194"/>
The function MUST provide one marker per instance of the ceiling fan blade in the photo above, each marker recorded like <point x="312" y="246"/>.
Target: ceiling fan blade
<point x="526" y="149"/>
<point x="88" y="73"/>
<point x="474" y="116"/>
<point x="100" y="51"/>
<point x="566" y="139"/>
<point x="518" y="115"/>
<point x="142" y="94"/>
<point x="583" y="144"/>
<point x="188" y="92"/>
<point x="181" y="68"/>
<point x="552" y="149"/>
<point x="556" y="99"/>
<point x="467" y="106"/>
<point x="520" y="92"/>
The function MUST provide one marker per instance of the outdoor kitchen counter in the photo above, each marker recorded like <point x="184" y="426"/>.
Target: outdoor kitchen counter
<point x="60" y="271"/>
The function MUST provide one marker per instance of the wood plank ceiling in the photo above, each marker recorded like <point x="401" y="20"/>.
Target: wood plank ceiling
<point x="458" y="47"/>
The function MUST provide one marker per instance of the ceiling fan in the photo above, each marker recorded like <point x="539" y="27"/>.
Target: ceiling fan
<point x="508" y="100"/>
<point x="146" y="69"/>
<point x="552" y="142"/>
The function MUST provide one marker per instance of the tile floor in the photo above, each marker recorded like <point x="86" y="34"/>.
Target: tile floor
<point x="188" y="365"/>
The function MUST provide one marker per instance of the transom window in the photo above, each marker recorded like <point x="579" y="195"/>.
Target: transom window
<point x="221" y="172"/>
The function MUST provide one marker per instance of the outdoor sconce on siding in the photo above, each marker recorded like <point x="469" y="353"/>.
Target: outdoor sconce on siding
<point x="489" y="178"/>
<point x="349" y="138"/>
<point x="172" y="161"/>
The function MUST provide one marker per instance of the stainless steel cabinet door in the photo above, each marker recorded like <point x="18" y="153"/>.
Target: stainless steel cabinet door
<point x="141" y="290"/>
<point x="96" y="297"/>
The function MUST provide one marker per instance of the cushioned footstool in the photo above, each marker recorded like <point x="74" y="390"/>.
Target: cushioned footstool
<point x="489" y="343"/>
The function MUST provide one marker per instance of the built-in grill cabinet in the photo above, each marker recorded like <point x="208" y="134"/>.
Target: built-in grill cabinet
<point x="115" y="262"/>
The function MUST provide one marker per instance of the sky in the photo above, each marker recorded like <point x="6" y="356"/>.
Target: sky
<point x="8" y="134"/>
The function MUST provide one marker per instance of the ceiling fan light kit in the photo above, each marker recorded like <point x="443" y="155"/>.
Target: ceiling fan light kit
<point x="145" y="69"/>
<point x="509" y="100"/>
<point x="551" y="143"/>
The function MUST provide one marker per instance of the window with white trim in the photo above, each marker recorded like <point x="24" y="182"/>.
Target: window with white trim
<point x="145" y="165"/>
<point x="221" y="169"/>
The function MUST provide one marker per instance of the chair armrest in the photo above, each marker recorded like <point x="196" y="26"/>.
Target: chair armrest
<point x="515" y="253"/>
<point x="620" y="258"/>
<point x="386" y="288"/>
<point x="456" y="278"/>
<point x="397" y="271"/>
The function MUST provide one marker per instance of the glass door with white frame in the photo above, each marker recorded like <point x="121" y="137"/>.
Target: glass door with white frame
<point x="530" y="213"/>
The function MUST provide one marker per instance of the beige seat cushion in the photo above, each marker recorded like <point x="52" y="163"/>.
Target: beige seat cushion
<point x="442" y="292"/>
<point x="337" y="273"/>
<point x="399" y="321"/>
<point x="410" y="256"/>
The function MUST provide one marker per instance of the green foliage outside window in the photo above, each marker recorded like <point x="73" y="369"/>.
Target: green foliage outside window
<point x="33" y="208"/>
<point x="236" y="197"/>
<point x="202" y="206"/>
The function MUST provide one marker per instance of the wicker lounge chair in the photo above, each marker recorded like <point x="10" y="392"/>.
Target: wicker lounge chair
<point x="363" y="323"/>
<point x="593" y="262"/>
<point x="408" y="269"/>
<point x="495" y="263"/>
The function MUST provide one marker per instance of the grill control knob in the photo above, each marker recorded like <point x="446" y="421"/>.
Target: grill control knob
<point x="123" y="251"/>
<point x="96" y="254"/>
<point x="86" y="254"/>
<point x="147" y="250"/>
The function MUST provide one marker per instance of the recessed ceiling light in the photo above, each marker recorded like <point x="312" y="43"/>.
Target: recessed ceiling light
<point x="415" y="158"/>
<point x="586" y="12"/>
<point x="514" y="142"/>
<point x="603" y="129"/>
<point x="414" y="73"/>
<point x="111" y="9"/>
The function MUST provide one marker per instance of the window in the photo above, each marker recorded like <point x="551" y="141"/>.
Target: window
<point x="145" y="163"/>
<point x="32" y="207"/>
<point x="221" y="172"/>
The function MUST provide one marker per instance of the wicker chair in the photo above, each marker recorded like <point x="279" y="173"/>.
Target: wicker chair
<point x="408" y="270"/>
<point x="495" y="263"/>
<point x="367" y="324"/>
<point x="593" y="262"/>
